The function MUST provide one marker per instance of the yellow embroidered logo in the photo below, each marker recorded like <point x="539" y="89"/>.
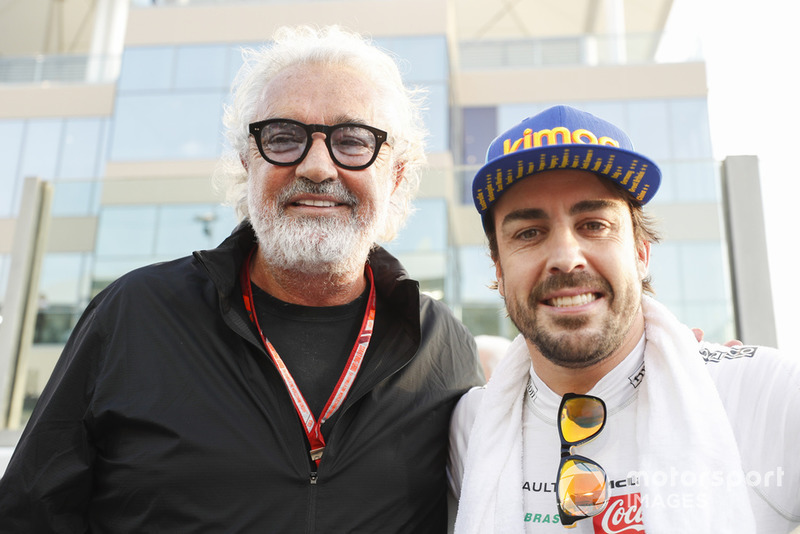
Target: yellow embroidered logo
<point x="630" y="175"/>
<point x="531" y="139"/>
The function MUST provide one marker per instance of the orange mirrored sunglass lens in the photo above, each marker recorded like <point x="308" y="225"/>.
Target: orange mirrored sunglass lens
<point x="582" y="488"/>
<point x="581" y="418"/>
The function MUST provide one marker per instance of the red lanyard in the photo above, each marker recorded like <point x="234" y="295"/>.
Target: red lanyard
<point x="313" y="427"/>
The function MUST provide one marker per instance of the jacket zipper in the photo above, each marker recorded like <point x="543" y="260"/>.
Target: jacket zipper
<point x="311" y="513"/>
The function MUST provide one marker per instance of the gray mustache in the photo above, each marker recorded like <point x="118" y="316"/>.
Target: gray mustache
<point x="334" y="189"/>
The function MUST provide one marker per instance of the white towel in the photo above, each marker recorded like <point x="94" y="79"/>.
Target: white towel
<point x="495" y="451"/>
<point x="687" y="449"/>
<point x="683" y="433"/>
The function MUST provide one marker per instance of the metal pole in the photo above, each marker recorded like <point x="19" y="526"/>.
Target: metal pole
<point x="21" y="302"/>
<point x="747" y="249"/>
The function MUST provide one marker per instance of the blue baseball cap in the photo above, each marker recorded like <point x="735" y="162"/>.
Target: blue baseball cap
<point x="562" y="137"/>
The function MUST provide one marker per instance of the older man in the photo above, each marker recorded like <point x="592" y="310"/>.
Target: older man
<point x="292" y="379"/>
<point x="606" y="414"/>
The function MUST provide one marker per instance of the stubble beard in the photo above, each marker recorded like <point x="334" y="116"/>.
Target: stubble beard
<point x="326" y="245"/>
<point x="567" y="341"/>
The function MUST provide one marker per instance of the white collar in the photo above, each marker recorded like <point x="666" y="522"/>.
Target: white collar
<point x="616" y="388"/>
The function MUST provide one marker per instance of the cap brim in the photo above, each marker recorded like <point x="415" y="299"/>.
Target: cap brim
<point x="636" y="174"/>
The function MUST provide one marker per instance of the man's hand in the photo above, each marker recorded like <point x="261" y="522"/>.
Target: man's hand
<point x="698" y="333"/>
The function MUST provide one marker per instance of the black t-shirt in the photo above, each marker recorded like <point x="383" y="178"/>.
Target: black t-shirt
<point x="314" y="342"/>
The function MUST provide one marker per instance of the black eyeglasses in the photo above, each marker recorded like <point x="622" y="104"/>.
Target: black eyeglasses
<point x="286" y="142"/>
<point x="581" y="487"/>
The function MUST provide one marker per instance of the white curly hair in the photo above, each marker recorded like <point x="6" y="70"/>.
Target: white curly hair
<point x="331" y="45"/>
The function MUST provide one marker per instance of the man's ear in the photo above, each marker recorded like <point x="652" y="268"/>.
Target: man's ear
<point x="244" y="162"/>
<point x="399" y="175"/>
<point x="643" y="259"/>
<point x="498" y="272"/>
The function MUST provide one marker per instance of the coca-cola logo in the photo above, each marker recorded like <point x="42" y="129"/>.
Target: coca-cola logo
<point x="623" y="515"/>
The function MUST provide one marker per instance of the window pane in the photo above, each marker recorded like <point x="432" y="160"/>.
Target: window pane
<point x="477" y="275"/>
<point x="714" y="318"/>
<point x="41" y="148"/>
<point x="691" y="136"/>
<point x="422" y="59"/>
<point x="63" y="294"/>
<point x="690" y="278"/>
<point x="437" y="118"/>
<point x="511" y="114"/>
<point x="126" y="231"/>
<point x="487" y="320"/>
<point x="167" y="126"/>
<point x="704" y="261"/>
<point x="668" y="191"/>
<point x="146" y="68"/>
<point x="649" y="128"/>
<point x="63" y="278"/>
<point x="186" y="228"/>
<point x="71" y="199"/>
<point x="695" y="181"/>
<point x="235" y="61"/>
<point x="666" y="274"/>
<point x="479" y="130"/>
<point x="201" y="67"/>
<point x="425" y="229"/>
<point x="82" y="142"/>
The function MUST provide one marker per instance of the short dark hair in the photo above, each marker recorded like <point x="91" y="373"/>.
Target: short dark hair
<point x="644" y="229"/>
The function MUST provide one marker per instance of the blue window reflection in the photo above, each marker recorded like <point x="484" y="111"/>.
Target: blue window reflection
<point x="421" y="59"/>
<point x="704" y="260"/>
<point x="41" y="148"/>
<point x="134" y="236"/>
<point x="201" y="67"/>
<point x="437" y="118"/>
<point x="649" y="127"/>
<point x="63" y="293"/>
<point x="690" y="131"/>
<point x="147" y="68"/>
<point x="690" y="278"/>
<point x="666" y="274"/>
<point x="126" y="231"/>
<point x="167" y="126"/>
<point x="74" y="198"/>
<point x="81" y="147"/>
<point x="426" y="228"/>
<point x="183" y="229"/>
<point x="477" y="274"/>
<point x="480" y="129"/>
<point x="424" y="61"/>
<point x="696" y="181"/>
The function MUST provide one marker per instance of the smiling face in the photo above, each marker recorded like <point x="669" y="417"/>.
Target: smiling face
<point x="314" y="216"/>
<point x="569" y="267"/>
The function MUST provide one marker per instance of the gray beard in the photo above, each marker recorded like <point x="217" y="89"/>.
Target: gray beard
<point x="333" y="246"/>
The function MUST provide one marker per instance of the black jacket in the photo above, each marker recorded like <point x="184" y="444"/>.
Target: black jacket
<point x="164" y="414"/>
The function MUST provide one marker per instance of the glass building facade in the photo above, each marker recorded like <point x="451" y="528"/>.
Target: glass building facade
<point x="168" y="108"/>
